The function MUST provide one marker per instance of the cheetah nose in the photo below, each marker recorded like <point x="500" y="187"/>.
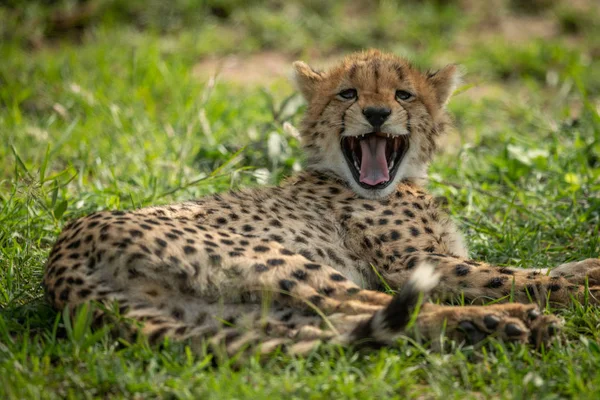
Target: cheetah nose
<point x="376" y="115"/>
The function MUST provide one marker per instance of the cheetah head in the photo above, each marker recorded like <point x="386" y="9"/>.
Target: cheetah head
<point x="373" y="119"/>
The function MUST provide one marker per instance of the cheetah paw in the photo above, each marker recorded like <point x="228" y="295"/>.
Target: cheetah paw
<point x="513" y="322"/>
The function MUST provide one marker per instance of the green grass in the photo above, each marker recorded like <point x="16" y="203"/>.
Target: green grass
<point x="113" y="117"/>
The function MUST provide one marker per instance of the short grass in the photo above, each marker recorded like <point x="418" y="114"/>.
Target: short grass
<point x="106" y="113"/>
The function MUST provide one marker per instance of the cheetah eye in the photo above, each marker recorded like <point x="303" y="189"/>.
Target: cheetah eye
<point x="348" y="94"/>
<point x="403" y="95"/>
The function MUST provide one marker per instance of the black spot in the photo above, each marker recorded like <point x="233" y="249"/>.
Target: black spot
<point x="412" y="262"/>
<point x="394" y="235"/>
<point x="286" y="252"/>
<point x="312" y="266"/>
<point x="506" y="271"/>
<point x="410" y="249"/>
<point x="260" y="249"/>
<point x="368" y="207"/>
<point x="74" y="245"/>
<point x="300" y="239"/>
<point x="337" y="277"/>
<point x="414" y="231"/>
<point x="260" y="267"/>
<point x="64" y="295"/>
<point x="334" y="257"/>
<point x="160" y="242"/>
<point x="227" y="242"/>
<point x="84" y="293"/>
<point x="461" y="269"/>
<point x="496" y="282"/>
<point x="300" y="274"/>
<point x="408" y="213"/>
<point x="473" y="263"/>
<point x="554" y="287"/>
<point x="276" y="223"/>
<point x="352" y="291"/>
<point x="327" y="291"/>
<point x="135" y="257"/>
<point x="334" y="190"/>
<point x="136" y="233"/>
<point x="316" y="299"/>
<point x="221" y="220"/>
<point x="383" y="221"/>
<point x="286" y="284"/>
<point x="235" y="254"/>
<point x="247" y="228"/>
<point x="276" y="238"/>
<point x="531" y="289"/>
<point x="209" y="243"/>
<point x="275" y="262"/>
<point x="189" y="250"/>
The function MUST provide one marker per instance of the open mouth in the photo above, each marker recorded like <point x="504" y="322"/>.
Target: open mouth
<point x="374" y="157"/>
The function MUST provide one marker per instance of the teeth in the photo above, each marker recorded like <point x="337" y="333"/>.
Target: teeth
<point x="355" y="160"/>
<point x="391" y="165"/>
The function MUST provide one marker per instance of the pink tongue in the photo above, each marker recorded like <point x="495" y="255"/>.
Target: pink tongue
<point x="374" y="167"/>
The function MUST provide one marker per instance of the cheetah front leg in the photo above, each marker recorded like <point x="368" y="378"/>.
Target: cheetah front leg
<point x="480" y="282"/>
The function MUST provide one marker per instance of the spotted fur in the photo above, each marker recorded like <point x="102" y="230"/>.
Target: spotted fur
<point x="298" y="264"/>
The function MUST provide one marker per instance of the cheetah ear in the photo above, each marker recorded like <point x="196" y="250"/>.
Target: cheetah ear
<point x="307" y="79"/>
<point x="445" y="81"/>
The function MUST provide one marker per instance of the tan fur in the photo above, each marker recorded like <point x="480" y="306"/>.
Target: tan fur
<point x="304" y="262"/>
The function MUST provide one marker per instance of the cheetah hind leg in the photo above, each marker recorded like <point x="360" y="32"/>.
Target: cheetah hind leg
<point x="232" y="329"/>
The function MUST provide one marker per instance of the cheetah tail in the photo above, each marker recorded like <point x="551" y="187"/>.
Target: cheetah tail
<point x="387" y="324"/>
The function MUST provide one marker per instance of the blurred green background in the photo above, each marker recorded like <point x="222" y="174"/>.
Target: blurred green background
<point x="120" y="104"/>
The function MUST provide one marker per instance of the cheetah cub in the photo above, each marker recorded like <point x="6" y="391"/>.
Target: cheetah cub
<point x="304" y="263"/>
